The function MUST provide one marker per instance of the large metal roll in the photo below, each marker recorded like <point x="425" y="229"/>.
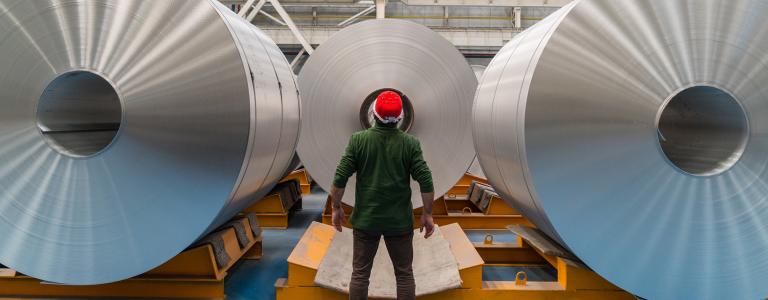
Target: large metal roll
<point x="634" y="132"/>
<point x="475" y="168"/>
<point x="129" y="129"/>
<point x="479" y="70"/>
<point x="342" y="78"/>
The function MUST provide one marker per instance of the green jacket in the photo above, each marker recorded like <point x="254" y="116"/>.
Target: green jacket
<point x="384" y="158"/>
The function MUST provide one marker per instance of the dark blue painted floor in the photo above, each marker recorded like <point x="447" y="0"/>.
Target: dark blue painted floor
<point x="499" y="236"/>
<point x="255" y="279"/>
<point x="543" y="273"/>
<point x="498" y="273"/>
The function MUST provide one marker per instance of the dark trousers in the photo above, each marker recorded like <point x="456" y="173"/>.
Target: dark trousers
<point x="400" y="248"/>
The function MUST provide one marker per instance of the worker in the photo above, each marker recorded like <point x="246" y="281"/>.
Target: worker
<point x="384" y="158"/>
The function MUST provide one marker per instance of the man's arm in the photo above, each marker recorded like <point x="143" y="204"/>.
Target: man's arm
<point x="347" y="167"/>
<point x="336" y="195"/>
<point x="426" y="216"/>
<point x="428" y="199"/>
<point x="421" y="172"/>
<point x="423" y="175"/>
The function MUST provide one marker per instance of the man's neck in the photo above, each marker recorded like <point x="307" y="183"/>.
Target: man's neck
<point x="380" y="124"/>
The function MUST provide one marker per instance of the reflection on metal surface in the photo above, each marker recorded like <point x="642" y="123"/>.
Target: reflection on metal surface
<point x="295" y="164"/>
<point x="129" y="129"/>
<point x="387" y="54"/>
<point x="479" y="70"/>
<point x="475" y="168"/>
<point x="634" y="132"/>
<point x="703" y="130"/>
<point x="79" y="113"/>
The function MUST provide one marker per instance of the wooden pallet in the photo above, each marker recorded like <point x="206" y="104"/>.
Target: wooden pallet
<point x="195" y="273"/>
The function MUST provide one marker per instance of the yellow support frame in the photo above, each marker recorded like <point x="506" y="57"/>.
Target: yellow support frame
<point x="302" y="177"/>
<point x="313" y="246"/>
<point x="574" y="281"/>
<point x="272" y="210"/>
<point x="191" y="274"/>
<point x="460" y="188"/>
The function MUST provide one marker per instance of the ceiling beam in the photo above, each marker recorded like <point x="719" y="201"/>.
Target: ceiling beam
<point x="501" y="3"/>
<point x="348" y="3"/>
<point x="465" y="37"/>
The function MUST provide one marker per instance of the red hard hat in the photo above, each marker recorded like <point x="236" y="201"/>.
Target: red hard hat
<point x="388" y="107"/>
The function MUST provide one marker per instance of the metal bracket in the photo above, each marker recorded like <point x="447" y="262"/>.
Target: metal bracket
<point x="297" y="58"/>
<point x="358" y="15"/>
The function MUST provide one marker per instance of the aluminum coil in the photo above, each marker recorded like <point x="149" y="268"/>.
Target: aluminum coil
<point x="475" y="168"/>
<point x="342" y="77"/>
<point x="634" y="132"/>
<point x="479" y="70"/>
<point x="293" y="166"/>
<point x="129" y="129"/>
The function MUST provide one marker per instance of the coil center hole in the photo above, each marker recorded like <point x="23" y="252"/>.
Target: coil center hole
<point x="79" y="114"/>
<point x="367" y="118"/>
<point x="703" y="130"/>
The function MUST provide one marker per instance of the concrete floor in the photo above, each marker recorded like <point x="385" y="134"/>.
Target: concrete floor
<point x="256" y="279"/>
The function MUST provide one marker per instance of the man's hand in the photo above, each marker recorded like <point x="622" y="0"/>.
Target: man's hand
<point x="338" y="218"/>
<point x="427" y="223"/>
<point x="426" y="215"/>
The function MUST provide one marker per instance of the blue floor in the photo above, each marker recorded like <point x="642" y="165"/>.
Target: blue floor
<point x="543" y="273"/>
<point x="499" y="236"/>
<point x="497" y="273"/>
<point x="255" y="279"/>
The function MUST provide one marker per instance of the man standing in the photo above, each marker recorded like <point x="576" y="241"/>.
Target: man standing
<point x="384" y="158"/>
